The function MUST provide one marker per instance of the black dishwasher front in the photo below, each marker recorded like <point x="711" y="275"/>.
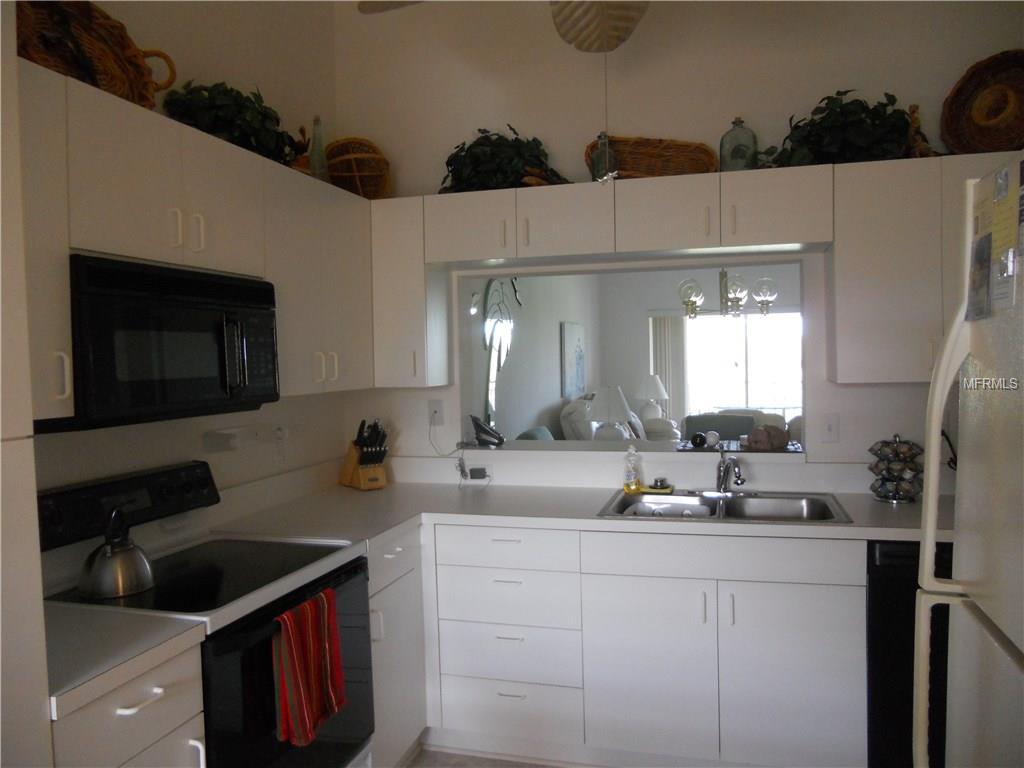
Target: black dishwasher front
<point x="892" y="592"/>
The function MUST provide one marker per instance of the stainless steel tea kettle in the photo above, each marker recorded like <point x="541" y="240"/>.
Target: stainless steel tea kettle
<point x="117" y="567"/>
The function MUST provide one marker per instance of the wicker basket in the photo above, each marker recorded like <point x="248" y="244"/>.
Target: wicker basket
<point x="79" y="40"/>
<point x="357" y="165"/>
<point x="985" y="110"/>
<point x="639" y="158"/>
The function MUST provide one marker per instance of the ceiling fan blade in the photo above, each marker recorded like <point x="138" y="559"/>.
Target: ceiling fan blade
<point x="381" y="6"/>
<point x="596" y="27"/>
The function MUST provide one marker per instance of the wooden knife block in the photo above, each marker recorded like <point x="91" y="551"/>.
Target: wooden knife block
<point x="367" y="477"/>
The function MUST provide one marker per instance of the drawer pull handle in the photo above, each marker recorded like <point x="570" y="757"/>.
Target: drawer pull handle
<point x="508" y="581"/>
<point x="509" y="541"/>
<point x="509" y="637"/>
<point x="399" y="549"/>
<point x="704" y="608"/>
<point x="389" y="556"/>
<point x="200" y="746"/>
<point x="158" y="693"/>
<point x="732" y="610"/>
<point x="519" y="696"/>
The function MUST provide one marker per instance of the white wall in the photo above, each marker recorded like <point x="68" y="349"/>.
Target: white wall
<point x="284" y="49"/>
<point x="421" y="79"/>
<point x="529" y="391"/>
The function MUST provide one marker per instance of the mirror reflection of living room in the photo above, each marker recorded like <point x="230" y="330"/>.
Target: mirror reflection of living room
<point x="593" y="361"/>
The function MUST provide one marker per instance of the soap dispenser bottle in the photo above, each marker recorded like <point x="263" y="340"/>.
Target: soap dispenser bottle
<point x="632" y="480"/>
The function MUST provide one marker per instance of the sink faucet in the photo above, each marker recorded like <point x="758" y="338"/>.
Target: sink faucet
<point x="728" y="471"/>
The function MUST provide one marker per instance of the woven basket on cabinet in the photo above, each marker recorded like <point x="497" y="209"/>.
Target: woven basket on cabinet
<point x="639" y="158"/>
<point x="357" y="165"/>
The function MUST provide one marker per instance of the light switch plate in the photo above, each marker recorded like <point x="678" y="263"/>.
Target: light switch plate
<point x="830" y="428"/>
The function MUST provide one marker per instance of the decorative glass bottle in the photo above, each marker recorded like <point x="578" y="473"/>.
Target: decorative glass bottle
<point x="317" y="156"/>
<point x="738" y="150"/>
<point x="604" y="164"/>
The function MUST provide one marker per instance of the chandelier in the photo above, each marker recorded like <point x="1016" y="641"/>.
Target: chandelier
<point x="732" y="295"/>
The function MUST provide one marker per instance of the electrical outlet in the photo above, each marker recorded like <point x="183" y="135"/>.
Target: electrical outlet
<point x="479" y="475"/>
<point x="830" y="428"/>
<point x="435" y="412"/>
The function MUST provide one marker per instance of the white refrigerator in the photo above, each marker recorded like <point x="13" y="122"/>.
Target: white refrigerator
<point x="983" y="359"/>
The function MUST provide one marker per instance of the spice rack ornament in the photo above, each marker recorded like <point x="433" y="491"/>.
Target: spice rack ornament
<point x="899" y="474"/>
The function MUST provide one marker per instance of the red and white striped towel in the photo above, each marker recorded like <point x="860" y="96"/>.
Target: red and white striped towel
<point x="308" y="677"/>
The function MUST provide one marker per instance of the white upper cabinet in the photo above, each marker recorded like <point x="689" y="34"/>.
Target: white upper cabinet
<point x="409" y="343"/>
<point x="347" y="286"/>
<point x="470" y="226"/>
<point x="143" y="185"/>
<point x="957" y="170"/>
<point x="886" y="271"/>
<point x="295" y="248"/>
<point x="224" y="204"/>
<point x="43" y="112"/>
<point x="318" y="258"/>
<point x="667" y="213"/>
<point x="777" y="205"/>
<point x="566" y="219"/>
<point x="124" y="177"/>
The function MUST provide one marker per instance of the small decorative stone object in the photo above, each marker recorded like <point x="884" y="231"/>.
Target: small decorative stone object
<point x="898" y="473"/>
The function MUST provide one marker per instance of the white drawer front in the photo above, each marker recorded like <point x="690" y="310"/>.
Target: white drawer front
<point x="739" y="558"/>
<point x="533" y="548"/>
<point x="535" y="712"/>
<point x="97" y="735"/>
<point x="392" y="555"/>
<point x="508" y="652"/>
<point x="182" y="748"/>
<point x="500" y="596"/>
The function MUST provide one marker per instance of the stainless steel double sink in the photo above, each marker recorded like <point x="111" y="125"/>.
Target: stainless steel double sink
<point x="712" y="505"/>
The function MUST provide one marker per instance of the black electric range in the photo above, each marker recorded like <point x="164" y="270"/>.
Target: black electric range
<point x="210" y="575"/>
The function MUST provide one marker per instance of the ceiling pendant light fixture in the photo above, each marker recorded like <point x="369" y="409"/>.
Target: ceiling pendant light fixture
<point x="732" y="295"/>
<point x="596" y="27"/>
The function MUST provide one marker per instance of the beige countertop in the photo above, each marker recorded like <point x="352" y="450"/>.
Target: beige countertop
<point x="343" y="513"/>
<point x="91" y="650"/>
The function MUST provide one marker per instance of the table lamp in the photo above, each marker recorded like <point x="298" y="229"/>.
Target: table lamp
<point x="651" y="390"/>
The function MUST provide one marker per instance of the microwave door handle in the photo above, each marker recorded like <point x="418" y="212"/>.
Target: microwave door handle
<point x="231" y="354"/>
<point x="243" y="355"/>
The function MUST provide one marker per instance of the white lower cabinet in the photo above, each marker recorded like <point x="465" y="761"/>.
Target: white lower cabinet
<point x="399" y="701"/>
<point x="651" y="658"/>
<point x="792" y="671"/>
<point x="502" y="708"/>
<point x="183" y="747"/>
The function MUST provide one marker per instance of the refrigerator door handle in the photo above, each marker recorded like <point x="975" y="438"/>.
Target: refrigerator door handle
<point x="922" y="667"/>
<point x="955" y="347"/>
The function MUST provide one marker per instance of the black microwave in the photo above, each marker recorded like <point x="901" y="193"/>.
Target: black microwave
<point x="157" y="342"/>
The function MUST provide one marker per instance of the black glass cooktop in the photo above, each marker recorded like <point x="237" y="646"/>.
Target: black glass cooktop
<point x="213" y="574"/>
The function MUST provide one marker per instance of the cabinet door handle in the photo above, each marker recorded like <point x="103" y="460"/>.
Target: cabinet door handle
<point x="703" y="607"/>
<point x="510" y="637"/>
<point x="65" y="366"/>
<point x="200" y="221"/>
<point x="179" y="237"/>
<point x="735" y="218"/>
<point x="390" y="556"/>
<point x="508" y="581"/>
<point x="200" y="746"/>
<point x="519" y="696"/>
<point x="509" y="541"/>
<point x="504" y="232"/>
<point x="707" y="221"/>
<point x="157" y="694"/>
<point x="526" y="230"/>
<point x="414" y="363"/>
<point x="732" y="609"/>
<point x="323" y="368"/>
<point x="376" y="625"/>
<point x="334" y="362"/>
